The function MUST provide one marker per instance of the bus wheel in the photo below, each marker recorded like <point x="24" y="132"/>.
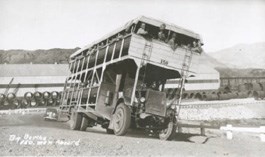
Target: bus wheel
<point x="84" y="124"/>
<point x="110" y="131"/>
<point x="168" y="133"/>
<point x="75" y="120"/>
<point x="122" y="120"/>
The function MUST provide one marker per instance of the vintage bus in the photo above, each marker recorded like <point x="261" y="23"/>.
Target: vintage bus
<point x="118" y="81"/>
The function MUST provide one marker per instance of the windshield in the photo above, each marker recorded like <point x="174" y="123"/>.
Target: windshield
<point x="155" y="77"/>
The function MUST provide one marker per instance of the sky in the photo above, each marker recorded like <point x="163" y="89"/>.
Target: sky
<point x="45" y="24"/>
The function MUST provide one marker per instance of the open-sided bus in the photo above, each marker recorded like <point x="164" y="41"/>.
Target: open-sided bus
<point x="118" y="82"/>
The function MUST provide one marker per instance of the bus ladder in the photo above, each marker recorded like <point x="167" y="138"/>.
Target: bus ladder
<point x="147" y="51"/>
<point x="146" y="54"/>
<point x="184" y="74"/>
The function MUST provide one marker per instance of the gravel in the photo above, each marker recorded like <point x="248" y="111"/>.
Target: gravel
<point x="246" y="111"/>
<point x="96" y="142"/>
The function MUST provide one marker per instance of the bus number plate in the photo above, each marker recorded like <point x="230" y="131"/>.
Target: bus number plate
<point x="165" y="62"/>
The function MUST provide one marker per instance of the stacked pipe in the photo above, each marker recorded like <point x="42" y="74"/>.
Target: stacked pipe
<point x="38" y="98"/>
<point x="11" y="101"/>
<point x="55" y="97"/>
<point x="256" y="90"/>
<point x="259" y="90"/>
<point x="51" y="99"/>
<point x="28" y="100"/>
<point x="2" y="99"/>
<point x="46" y="97"/>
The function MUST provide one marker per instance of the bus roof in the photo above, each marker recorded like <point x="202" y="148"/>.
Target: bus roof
<point x="148" y="20"/>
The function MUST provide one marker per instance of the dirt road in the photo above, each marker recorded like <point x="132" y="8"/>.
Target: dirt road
<point x="31" y="135"/>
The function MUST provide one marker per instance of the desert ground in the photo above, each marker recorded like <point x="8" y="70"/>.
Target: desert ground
<point x="31" y="135"/>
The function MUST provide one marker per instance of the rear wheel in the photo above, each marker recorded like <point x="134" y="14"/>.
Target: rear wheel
<point x="122" y="120"/>
<point x="168" y="133"/>
<point x="84" y="124"/>
<point x="75" y="120"/>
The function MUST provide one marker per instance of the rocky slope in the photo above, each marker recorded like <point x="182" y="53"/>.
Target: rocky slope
<point x="242" y="60"/>
<point x="242" y="56"/>
<point x="36" y="57"/>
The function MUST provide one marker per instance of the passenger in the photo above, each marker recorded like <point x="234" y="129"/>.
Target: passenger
<point x="89" y="51"/>
<point x="200" y="50"/>
<point x="127" y="31"/>
<point x="172" y="43"/>
<point x="154" y="86"/>
<point x="117" y="38"/>
<point x="196" y="46"/>
<point x="84" y="53"/>
<point x="94" y="49"/>
<point x="101" y="44"/>
<point x="120" y="36"/>
<point x="161" y="33"/>
<point x="141" y="30"/>
<point x="111" y="40"/>
<point x="189" y="46"/>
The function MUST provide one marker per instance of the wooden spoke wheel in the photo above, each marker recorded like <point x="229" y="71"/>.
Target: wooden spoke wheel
<point x="122" y="120"/>
<point x="169" y="132"/>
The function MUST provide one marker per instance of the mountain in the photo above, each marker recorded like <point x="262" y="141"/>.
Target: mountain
<point x="231" y="62"/>
<point x="242" y="60"/>
<point x="229" y="71"/>
<point x="242" y="56"/>
<point x="36" y="56"/>
<point x="210" y="61"/>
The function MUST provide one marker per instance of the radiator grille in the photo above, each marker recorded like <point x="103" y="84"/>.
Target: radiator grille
<point x="155" y="103"/>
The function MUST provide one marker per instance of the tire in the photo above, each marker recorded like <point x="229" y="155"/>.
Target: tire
<point x="122" y="120"/>
<point x="84" y="124"/>
<point x="75" y="120"/>
<point x="110" y="131"/>
<point x="168" y="133"/>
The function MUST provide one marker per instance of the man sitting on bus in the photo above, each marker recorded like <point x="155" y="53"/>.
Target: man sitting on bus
<point x="141" y="30"/>
<point x="94" y="50"/>
<point x="200" y="50"/>
<point x="161" y="33"/>
<point x="197" y="47"/>
<point x="172" y="43"/>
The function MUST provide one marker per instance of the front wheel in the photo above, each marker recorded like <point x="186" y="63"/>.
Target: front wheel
<point x="168" y="133"/>
<point x="122" y="120"/>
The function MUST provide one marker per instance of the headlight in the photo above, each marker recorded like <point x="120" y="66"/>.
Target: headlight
<point x="142" y="99"/>
<point x="53" y="114"/>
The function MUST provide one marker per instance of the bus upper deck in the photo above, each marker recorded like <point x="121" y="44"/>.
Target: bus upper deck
<point x="126" y="43"/>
